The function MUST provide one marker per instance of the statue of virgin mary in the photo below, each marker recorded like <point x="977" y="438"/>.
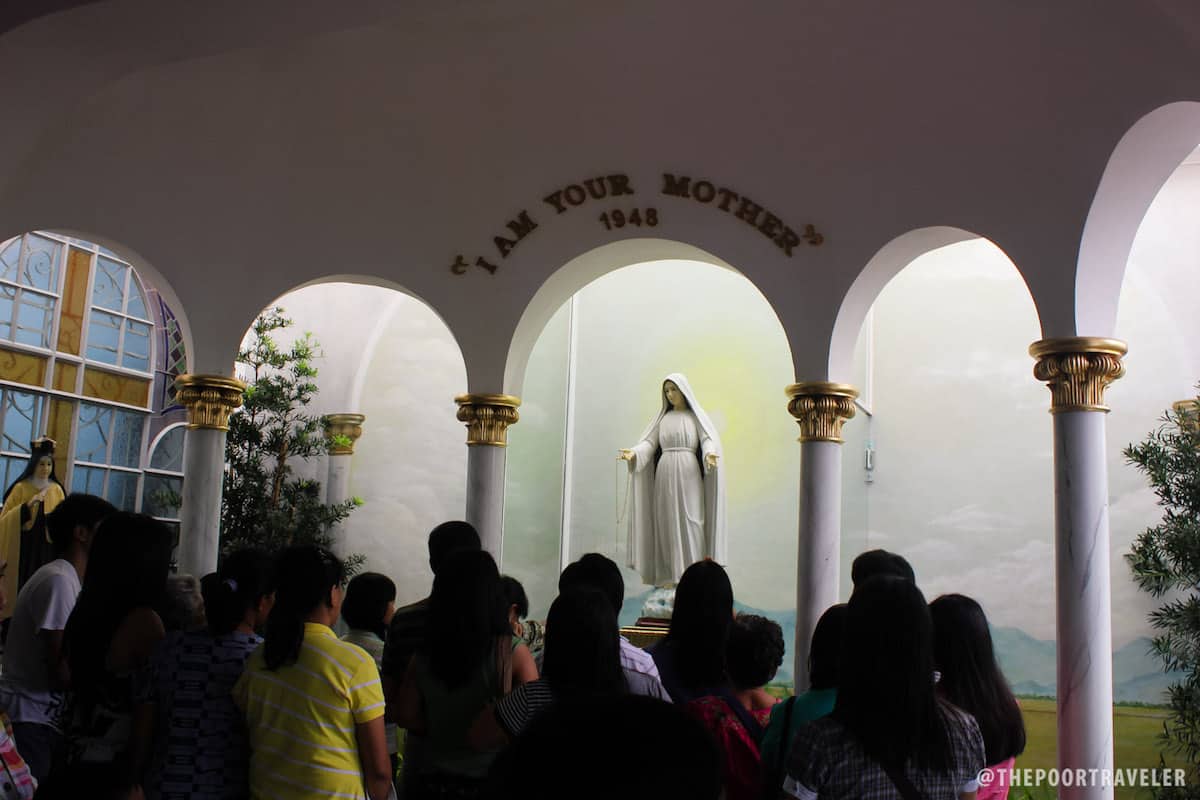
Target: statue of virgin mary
<point x="677" y="496"/>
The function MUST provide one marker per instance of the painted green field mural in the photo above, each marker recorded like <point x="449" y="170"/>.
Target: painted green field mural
<point x="1136" y="730"/>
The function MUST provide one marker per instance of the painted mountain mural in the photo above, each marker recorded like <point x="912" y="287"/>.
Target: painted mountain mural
<point x="1028" y="663"/>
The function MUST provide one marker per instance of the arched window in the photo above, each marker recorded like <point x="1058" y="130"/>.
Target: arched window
<point x="82" y="344"/>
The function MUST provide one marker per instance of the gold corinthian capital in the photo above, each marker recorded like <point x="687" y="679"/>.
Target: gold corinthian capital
<point x="1078" y="369"/>
<point x="343" y="428"/>
<point x="209" y="399"/>
<point x="487" y="417"/>
<point x="820" y="408"/>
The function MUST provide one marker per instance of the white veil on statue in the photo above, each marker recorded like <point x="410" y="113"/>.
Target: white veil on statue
<point x="643" y="546"/>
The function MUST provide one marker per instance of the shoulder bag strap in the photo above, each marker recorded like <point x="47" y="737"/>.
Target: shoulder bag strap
<point x="789" y="704"/>
<point x="743" y="715"/>
<point x="907" y="790"/>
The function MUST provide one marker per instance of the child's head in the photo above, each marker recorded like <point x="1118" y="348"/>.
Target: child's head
<point x="518" y="603"/>
<point x="370" y="603"/>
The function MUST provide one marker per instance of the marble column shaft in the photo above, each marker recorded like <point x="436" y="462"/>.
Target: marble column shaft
<point x="209" y="400"/>
<point x="1078" y="370"/>
<point x="487" y="417"/>
<point x="200" y="511"/>
<point x="820" y="410"/>
<point x="485" y="496"/>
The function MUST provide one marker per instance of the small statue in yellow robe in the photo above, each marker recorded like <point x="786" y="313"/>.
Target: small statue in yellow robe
<point x="24" y="540"/>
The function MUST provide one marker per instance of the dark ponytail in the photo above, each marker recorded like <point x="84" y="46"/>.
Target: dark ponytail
<point x="306" y="576"/>
<point x="243" y="580"/>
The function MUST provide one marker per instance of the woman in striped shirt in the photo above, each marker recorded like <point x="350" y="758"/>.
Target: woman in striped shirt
<point x="313" y="704"/>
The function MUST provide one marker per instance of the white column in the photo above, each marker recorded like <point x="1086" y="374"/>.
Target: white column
<point x="820" y="408"/>
<point x="342" y="431"/>
<point x="485" y="496"/>
<point x="337" y="478"/>
<point x="209" y="400"/>
<point x="1078" y="370"/>
<point x="487" y="417"/>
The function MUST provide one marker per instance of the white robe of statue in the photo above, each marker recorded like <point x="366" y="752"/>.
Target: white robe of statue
<point x="677" y="497"/>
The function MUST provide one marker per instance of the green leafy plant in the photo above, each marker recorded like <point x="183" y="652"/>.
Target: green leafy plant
<point x="1165" y="560"/>
<point x="265" y="505"/>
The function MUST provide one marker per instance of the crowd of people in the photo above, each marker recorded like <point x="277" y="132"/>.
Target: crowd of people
<point x="123" y="681"/>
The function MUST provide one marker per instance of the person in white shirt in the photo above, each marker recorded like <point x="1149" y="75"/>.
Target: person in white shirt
<point x="599" y="572"/>
<point x="35" y="675"/>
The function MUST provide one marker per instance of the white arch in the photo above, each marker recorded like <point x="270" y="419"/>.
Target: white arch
<point x="368" y="332"/>
<point x="1140" y="164"/>
<point x="883" y="266"/>
<point x="579" y="272"/>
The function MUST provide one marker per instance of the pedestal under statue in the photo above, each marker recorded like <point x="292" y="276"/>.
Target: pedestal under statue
<point x="24" y="543"/>
<point x="677" y="493"/>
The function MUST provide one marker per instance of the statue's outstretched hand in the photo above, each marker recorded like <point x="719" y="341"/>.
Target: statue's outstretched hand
<point x="710" y="460"/>
<point x="625" y="454"/>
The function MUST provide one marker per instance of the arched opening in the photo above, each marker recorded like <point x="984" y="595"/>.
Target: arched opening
<point x="388" y="355"/>
<point x="592" y="381"/>
<point x="950" y="460"/>
<point x="1159" y="315"/>
<point x="883" y="266"/>
<point x="1141" y="163"/>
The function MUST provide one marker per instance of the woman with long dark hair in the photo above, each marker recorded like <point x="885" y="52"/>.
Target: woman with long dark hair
<point x="111" y="635"/>
<point x="200" y="749"/>
<point x="313" y="704"/>
<point x="582" y="658"/>
<point x="972" y="680"/>
<point x="691" y="657"/>
<point x="889" y="734"/>
<point x="470" y="658"/>
<point x="583" y="654"/>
